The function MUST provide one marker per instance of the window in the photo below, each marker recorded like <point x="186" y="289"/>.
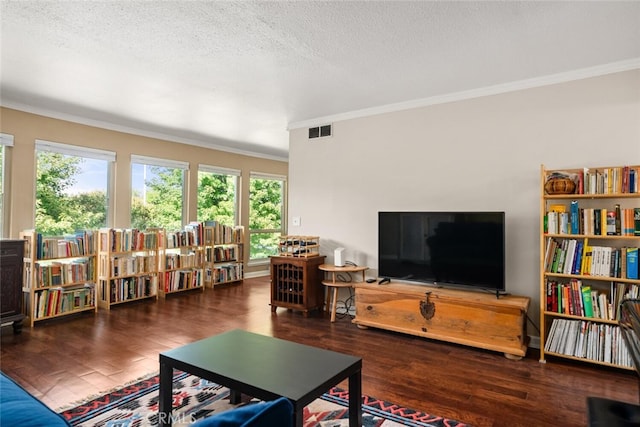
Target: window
<point x="266" y="210"/>
<point x="218" y="195"/>
<point x="6" y="141"/>
<point x="72" y="188"/>
<point x="157" y="189"/>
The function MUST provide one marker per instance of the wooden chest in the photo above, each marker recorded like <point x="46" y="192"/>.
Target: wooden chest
<point x="464" y="317"/>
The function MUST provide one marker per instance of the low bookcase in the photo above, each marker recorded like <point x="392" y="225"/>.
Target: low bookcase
<point x="127" y="266"/>
<point x="181" y="260"/>
<point x="59" y="276"/>
<point x="223" y="254"/>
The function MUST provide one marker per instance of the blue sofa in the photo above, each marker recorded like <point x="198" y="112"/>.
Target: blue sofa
<point x="19" y="408"/>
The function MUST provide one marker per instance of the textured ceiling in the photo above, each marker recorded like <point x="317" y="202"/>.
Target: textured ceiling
<point x="239" y="74"/>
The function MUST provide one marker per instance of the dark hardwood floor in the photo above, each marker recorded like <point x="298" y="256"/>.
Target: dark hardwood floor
<point x="66" y="360"/>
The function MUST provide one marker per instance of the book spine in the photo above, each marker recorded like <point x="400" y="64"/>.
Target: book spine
<point x="632" y="263"/>
<point x="574" y="211"/>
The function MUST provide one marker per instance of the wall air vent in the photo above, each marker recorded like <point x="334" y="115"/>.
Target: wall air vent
<point x="320" y="131"/>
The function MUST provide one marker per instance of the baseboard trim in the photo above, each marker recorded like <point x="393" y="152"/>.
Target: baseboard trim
<point x="255" y="274"/>
<point x="534" y="342"/>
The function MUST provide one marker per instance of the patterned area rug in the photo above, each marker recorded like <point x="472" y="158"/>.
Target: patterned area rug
<point x="136" y="405"/>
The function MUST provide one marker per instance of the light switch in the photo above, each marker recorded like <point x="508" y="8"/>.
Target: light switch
<point x="296" y="221"/>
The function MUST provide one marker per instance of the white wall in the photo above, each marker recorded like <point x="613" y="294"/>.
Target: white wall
<point x="479" y="154"/>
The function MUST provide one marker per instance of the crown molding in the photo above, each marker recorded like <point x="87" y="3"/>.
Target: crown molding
<point x="584" y="73"/>
<point x="136" y="131"/>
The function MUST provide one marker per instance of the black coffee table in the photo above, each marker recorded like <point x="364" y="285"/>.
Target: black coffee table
<point x="265" y="368"/>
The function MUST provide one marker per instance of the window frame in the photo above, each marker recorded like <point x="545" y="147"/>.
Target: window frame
<point x="218" y="170"/>
<point x="165" y="163"/>
<point x="6" y="144"/>
<point x="283" y="214"/>
<point x="42" y="145"/>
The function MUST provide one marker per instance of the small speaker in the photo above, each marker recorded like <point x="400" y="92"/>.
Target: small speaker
<point x="338" y="257"/>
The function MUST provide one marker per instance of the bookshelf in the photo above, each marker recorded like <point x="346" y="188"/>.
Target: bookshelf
<point x="589" y="240"/>
<point x="127" y="266"/>
<point x="181" y="260"/>
<point x="223" y="254"/>
<point x="59" y="274"/>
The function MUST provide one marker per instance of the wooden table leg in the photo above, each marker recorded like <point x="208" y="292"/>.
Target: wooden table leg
<point x="334" y="304"/>
<point x="327" y="308"/>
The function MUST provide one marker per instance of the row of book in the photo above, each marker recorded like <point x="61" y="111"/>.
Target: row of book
<point x="183" y="260"/>
<point x="614" y="180"/>
<point x="131" y="264"/>
<point x="183" y="279"/>
<point x="81" y="243"/>
<point x="62" y="273"/>
<point x="130" y="288"/>
<point x="54" y="301"/>
<point x="225" y="273"/>
<point x="580" y="299"/>
<point x="588" y="340"/>
<point x="592" y="221"/>
<point x="574" y="256"/>
<point x="127" y="239"/>
<point x="223" y="253"/>
<point x="192" y="235"/>
<point x="223" y="234"/>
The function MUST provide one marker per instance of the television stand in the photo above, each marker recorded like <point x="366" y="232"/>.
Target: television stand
<point x="465" y="317"/>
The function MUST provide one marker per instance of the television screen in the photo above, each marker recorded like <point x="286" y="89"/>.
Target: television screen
<point x="443" y="248"/>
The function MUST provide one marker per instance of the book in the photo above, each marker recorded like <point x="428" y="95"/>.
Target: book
<point x="574" y="219"/>
<point x="564" y="223"/>
<point x="580" y="346"/>
<point x="587" y="301"/>
<point x="552" y="222"/>
<point x="548" y="254"/>
<point x="628" y="226"/>
<point x="551" y="336"/>
<point x="617" y="230"/>
<point x="561" y="257"/>
<point x="578" y="258"/>
<point x="632" y="263"/>
<point x="586" y="260"/>
<point x="571" y="253"/>
<point x="613" y="224"/>
<point x="577" y="308"/>
<point x="587" y="221"/>
<point x="636" y="221"/>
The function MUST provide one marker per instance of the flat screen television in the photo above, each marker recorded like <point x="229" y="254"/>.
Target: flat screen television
<point x="465" y="249"/>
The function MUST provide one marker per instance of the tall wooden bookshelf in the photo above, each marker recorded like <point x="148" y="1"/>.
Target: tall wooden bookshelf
<point x="59" y="275"/>
<point x="589" y="240"/>
<point x="127" y="266"/>
<point x="224" y="254"/>
<point x="181" y="260"/>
